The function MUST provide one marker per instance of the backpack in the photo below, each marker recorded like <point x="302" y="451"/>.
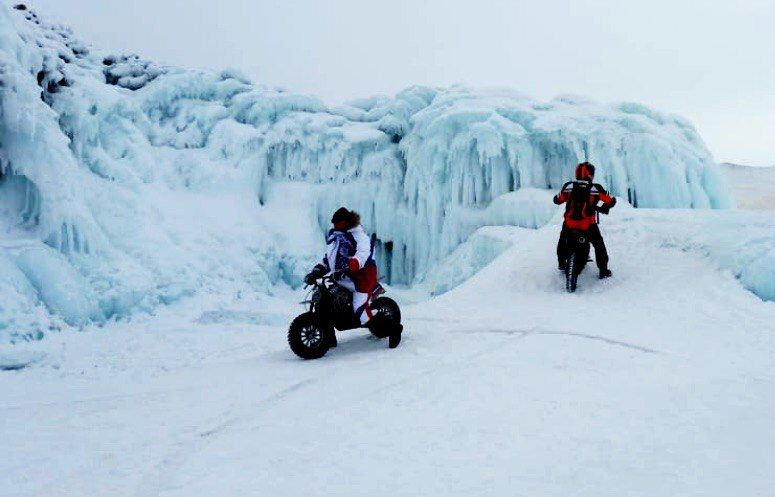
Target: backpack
<point x="579" y="205"/>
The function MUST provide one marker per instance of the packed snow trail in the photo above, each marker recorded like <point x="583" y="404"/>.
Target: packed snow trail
<point x="656" y="382"/>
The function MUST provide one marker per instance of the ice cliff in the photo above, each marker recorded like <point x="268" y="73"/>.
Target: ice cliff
<point x="126" y="184"/>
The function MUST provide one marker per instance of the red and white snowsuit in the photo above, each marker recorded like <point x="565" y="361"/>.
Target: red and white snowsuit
<point x="352" y="250"/>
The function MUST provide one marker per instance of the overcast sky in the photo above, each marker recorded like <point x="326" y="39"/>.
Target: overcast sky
<point x="712" y="61"/>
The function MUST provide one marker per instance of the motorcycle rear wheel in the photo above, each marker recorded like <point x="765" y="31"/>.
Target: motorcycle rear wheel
<point x="388" y="314"/>
<point x="571" y="276"/>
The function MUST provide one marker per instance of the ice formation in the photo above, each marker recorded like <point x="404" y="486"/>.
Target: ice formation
<point x="126" y="184"/>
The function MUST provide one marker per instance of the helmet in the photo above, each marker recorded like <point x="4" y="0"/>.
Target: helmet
<point x="341" y="214"/>
<point x="585" y="171"/>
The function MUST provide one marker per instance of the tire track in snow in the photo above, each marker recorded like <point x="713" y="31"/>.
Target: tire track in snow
<point x="234" y="419"/>
<point x="157" y="480"/>
<point x="588" y="336"/>
<point x="450" y="364"/>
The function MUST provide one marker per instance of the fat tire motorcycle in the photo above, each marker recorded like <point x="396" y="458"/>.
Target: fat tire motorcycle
<point x="312" y="333"/>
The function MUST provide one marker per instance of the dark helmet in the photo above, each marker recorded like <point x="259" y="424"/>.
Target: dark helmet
<point x="585" y="171"/>
<point x="341" y="214"/>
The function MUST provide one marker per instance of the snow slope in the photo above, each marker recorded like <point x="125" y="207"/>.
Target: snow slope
<point x="127" y="185"/>
<point x="658" y="381"/>
<point x="752" y="186"/>
<point x="741" y="243"/>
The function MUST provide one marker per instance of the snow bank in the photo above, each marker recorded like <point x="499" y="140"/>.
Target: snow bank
<point x="155" y="182"/>
<point x="752" y="186"/>
<point x="481" y="248"/>
<point x="737" y="241"/>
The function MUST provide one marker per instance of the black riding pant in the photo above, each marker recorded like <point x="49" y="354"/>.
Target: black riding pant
<point x="595" y="238"/>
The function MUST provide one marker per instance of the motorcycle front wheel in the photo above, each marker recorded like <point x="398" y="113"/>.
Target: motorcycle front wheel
<point x="307" y="338"/>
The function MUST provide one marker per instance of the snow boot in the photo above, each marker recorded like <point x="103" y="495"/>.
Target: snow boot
<point x="395" y="337"/>
<point x="605" y="273"/>
<point x="332" y="339"/>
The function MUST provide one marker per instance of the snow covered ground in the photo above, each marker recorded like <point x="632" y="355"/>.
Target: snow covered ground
<point x="658" y="381"/>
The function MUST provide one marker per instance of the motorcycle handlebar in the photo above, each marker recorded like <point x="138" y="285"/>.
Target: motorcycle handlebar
<point x="335" y="276"/>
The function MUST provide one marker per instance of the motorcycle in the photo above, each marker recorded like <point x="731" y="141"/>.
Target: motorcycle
<point x="313" y="333"/>
<point x="577" y="258"/>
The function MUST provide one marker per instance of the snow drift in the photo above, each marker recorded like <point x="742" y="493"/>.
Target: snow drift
<point x="126" y="184"/>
